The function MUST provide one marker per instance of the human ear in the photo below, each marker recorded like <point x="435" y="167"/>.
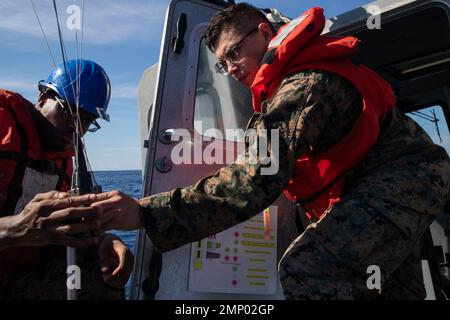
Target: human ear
<point x="265" y="30"/>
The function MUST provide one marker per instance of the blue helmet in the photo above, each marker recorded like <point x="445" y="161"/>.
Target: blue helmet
<point x="94" y="86"/>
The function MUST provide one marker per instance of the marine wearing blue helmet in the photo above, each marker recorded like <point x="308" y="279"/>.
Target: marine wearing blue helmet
<point x="36" y="150"/>
<point x="78" y="91"/>
<point x="80" y="83"/>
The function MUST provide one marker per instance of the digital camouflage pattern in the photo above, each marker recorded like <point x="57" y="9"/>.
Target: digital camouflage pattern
<point x="389" y="199"/>
<point x="330" y="259"/>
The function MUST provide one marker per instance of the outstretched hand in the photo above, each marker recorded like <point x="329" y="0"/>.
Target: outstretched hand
<point x="117" y="211"/>
<point x="54" y="218"/>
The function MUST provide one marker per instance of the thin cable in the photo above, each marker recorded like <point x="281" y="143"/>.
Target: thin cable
<point x="78" y="125"/>
<point x="423" y="115"/>
<point x="432" y="118"/>
<point x="78" y="70"/>
<point x="43" y="33"/>
<point x="81" y="57"/>
<point x="46" y="40"/>
<point x="48" y="45"/>
<point x="82" y="29"/>
<point x="63" y="54"/>
<point x="81" y="41"/>
<point x="81" y="52"/>
<point x="436" y="123"/>
<point x="63" y="51"/>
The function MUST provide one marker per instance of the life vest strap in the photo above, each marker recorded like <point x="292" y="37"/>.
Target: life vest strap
<point x="42" y="166"/>
<point x="23" y="161"/>
<point x="15" y="188"/>
<point x="304" y="202"/>
<point x="63" y="175"/>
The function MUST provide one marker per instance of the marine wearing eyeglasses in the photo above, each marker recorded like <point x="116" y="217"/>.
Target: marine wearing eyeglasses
<point x="231" y="55"/>
<point x="388" y="201"/>
<point x="239" y="52"/>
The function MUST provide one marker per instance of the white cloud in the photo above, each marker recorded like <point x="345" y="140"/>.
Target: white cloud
<point x="26" y="88"/>
<point x="17" y="85"/>
<point x="29" y="88"/>
<point x="105" y="22"/>
<point x="124" y="91"/>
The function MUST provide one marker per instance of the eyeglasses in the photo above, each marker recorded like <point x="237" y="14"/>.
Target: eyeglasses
<point x="85" y="119"/>
<point x="231" y="55"/>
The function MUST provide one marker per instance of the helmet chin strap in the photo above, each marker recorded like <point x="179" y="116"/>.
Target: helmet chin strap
<point x="75" y="122"/>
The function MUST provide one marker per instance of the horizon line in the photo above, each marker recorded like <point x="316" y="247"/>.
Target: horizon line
<point x="104" y="170"/>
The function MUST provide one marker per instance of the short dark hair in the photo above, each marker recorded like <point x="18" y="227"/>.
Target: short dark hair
<point x="235" y="17"/>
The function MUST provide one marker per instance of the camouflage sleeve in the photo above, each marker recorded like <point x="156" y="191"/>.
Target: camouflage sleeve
<point x="301" y="110"/>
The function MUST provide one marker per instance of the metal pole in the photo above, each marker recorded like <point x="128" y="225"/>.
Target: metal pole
<point x="71" y="261"/>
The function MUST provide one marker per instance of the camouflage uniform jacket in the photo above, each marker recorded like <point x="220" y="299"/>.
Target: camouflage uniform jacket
<point x="312" y="110"/>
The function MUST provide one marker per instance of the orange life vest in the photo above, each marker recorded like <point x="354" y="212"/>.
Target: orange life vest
<point x="25" y="170"/>
<point x="318" y="178"/>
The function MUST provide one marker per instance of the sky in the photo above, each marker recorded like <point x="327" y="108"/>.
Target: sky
<point x="123" y="37"/>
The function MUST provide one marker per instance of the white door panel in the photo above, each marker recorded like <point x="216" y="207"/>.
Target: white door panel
<point x="188" y="90"/>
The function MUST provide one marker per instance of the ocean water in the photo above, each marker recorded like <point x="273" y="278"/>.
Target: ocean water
<point x="129" y="182"/>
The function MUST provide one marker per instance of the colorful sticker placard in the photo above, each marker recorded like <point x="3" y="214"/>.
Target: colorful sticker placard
<point x="240" y="260"/>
